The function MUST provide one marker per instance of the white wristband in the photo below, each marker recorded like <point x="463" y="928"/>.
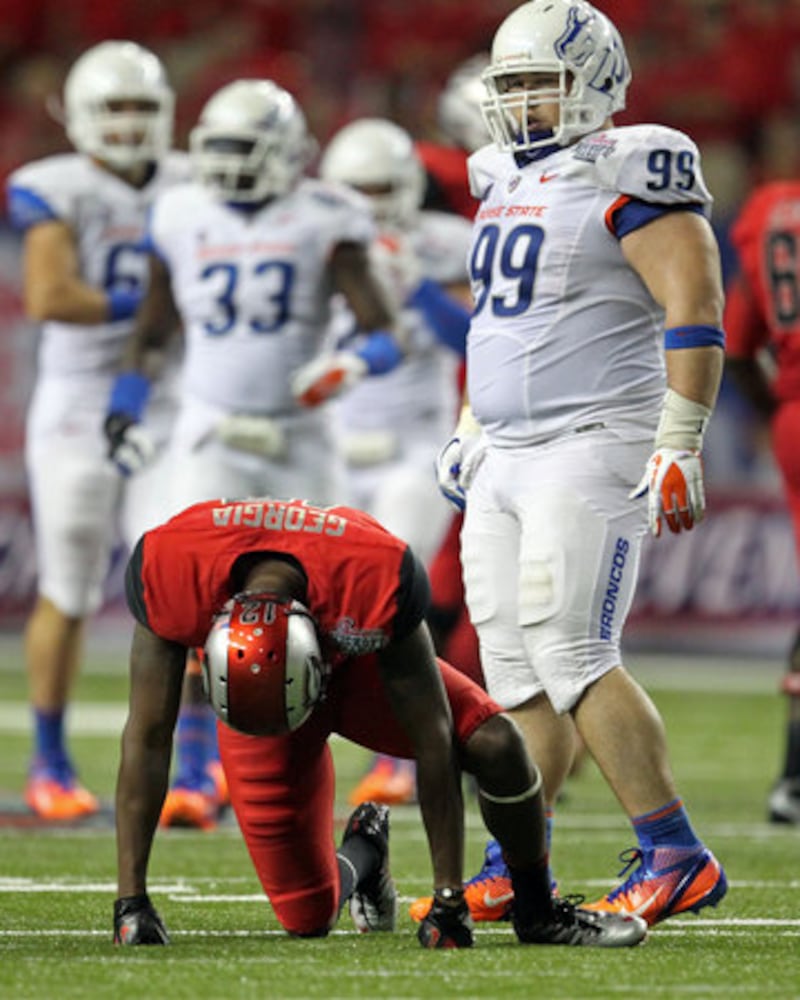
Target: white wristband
<point x="683" y="423"/>
<point x="467" y="424"/>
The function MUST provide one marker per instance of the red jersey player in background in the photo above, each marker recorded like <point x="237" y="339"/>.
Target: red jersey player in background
<point x="762" y="326"/>
<point x="460" y="121"/>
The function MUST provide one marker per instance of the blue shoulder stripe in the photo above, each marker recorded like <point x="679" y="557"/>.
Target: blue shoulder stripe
<point x="26" y="208"/>
<point x="633" y="214"/>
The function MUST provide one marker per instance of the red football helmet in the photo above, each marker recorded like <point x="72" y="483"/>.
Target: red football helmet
<point x="262" y="665"/>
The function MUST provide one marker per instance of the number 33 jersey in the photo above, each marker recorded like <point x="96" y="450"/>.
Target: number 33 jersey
<point x="252" y="286"/>
<point x="564" y="332"/>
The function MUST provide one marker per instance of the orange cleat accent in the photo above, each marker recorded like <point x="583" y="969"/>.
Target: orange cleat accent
<point x="683" y="883"/>
<point x="490" y="898"/>
<point x="215" y="771"/>
<point x="198" y="808"/>
<point x="389" y="781"/>
<point x="58" y="801"/>
<point x="489" y="894"/>
<point x="190" y="809"/>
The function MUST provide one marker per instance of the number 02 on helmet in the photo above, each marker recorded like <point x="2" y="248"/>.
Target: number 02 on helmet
<point x="262" y="665"/>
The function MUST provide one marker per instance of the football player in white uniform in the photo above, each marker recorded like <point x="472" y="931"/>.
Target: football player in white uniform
<point x="83" y="215"/>
<point x="246" y="258"/>
<point x="389" y="430"/>
<point x="594" y="354"/>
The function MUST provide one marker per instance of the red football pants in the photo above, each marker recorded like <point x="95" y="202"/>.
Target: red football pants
<point x="282" y="788"/>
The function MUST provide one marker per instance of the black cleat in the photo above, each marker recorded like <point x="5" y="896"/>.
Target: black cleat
<point x="373" y="905"/>
<point x="573" y="926"/>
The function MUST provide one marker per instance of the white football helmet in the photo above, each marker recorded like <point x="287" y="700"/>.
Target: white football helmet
<point x="262" y="666"/>
<point x="566" y="38"/>
<point x="251" y="142"/>
<point x="459" y="110"/>
<point x="378" y="157"/>
<point x="118" y="105"/>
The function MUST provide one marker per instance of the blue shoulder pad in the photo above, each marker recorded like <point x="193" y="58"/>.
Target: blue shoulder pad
<point x="26" y="208"/>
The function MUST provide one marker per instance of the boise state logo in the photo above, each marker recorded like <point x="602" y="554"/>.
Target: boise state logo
<point x="575" y="45"/>
<point x="578" y="46"/>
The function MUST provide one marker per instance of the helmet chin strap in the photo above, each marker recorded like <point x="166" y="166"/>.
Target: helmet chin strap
<point x="525" y="156"/>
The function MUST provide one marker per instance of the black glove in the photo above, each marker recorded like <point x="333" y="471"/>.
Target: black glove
<point x="448" y="923"/>
<point x="130" y="446"/>
<point x="136" y="922"/>
<point x="114" y="429"/>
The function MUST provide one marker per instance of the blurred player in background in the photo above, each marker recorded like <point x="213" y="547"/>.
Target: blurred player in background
<point x="83" y="216"/>
<point x="762" y="324"/>
<point x="464" y="131"/>
<point x="246" y="258"/>
<point x="389" y="430"/>
<point x="591" y="249"/>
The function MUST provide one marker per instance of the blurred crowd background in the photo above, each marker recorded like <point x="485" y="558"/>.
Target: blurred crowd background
<point x="725" y="71"/>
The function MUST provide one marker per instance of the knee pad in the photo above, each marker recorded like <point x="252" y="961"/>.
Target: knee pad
<point x="541" y="582"/>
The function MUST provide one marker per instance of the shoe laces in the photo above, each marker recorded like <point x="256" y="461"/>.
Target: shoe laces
<point x="568" y="904"/>
<point x="566" y="913"/>
<point x="370" y="821"/>
<point x="629" y="858"/>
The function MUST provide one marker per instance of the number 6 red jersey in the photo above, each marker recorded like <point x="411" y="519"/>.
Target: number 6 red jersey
<point x="763" y="303"/>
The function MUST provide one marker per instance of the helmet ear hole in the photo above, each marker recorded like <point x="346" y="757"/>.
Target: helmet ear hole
<point x="263" y="668"/>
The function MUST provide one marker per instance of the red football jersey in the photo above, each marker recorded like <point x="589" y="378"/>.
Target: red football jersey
<point x="364" y="584"/>
<point x="448" y="185"/>
<point x="763" y="304"/>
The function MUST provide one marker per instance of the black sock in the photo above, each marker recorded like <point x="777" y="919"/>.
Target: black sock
<point x="533" y="901"/>
<point x="791" y="768"/>
<point x="347" y="880"/>
<point x="357" y="859"/>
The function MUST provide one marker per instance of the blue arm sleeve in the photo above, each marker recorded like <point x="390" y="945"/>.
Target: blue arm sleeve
<point x="381" y="353"/>
<point x="448" y="319"/>
<point x="129" y="394"/>
<point x="633" y="214"/>
<point x="122" y="303"/>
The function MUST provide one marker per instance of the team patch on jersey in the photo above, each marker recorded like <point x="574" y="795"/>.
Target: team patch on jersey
<point x="593" y="147"/>
<point x="356" y="641"/>
<point x="328" y="198"/>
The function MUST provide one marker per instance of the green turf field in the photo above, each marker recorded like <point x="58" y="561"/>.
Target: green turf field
<point x="57" y="887"/>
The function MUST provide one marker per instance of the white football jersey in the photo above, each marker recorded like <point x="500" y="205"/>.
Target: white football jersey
<point x="564" y="332"/>
<point x="252" y="286"/>
<point x="424" y="385"/>
<point x="108" y="219"/>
